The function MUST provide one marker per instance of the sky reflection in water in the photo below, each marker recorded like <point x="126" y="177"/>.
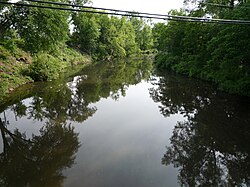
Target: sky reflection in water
<point x="121" y="126"/>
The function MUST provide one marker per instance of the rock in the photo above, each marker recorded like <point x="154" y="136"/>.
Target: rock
<point x="23" y="59"/>
<point x="11" y="89"/>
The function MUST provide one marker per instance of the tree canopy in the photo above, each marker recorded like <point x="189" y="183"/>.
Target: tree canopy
<point x="216" y="52"/>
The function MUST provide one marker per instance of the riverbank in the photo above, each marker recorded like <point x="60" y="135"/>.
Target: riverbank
<point x="233" y="79"/>
<point x="18" y="67"/>
<point x="136" y="110"/>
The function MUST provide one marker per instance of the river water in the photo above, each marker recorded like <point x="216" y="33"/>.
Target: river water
<point x="124" y="124"/>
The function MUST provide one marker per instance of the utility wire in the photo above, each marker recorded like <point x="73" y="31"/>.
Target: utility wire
<point x="105" y="9"/>
<point x="165" y="16"/>
<point x="80" y="10"/>
<point x="218" y="5"/>
<point x="226" y="6"/>
<point x="129" y="13"/>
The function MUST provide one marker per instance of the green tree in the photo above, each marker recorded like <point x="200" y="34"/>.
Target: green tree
<point x="159" y="32"/>
<point x="143" y="33"/>
<point x="127" y="36"/>
<point x="86" y="32"/>
<point x="212" y="52"/>
<point x="146" y="38"/>
<point x="115" y="41"/>
<point x="41" y="29"/>
<point x="3" y="19"/>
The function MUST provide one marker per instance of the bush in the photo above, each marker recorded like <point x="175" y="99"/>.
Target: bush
<point x="3" y="88"/>
<point x="4" y="53"/>
<point x="45" y="67"/>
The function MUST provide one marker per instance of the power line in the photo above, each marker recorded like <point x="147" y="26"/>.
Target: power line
<point x="90" y="7"/>
<point x="127" y="13"/>
<point x="165" y="16"/>
<point x="226" y="6"/>
<point x="79" y="10"/>
<point x="218" y="5"/>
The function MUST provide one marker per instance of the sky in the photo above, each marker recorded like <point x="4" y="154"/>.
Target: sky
<point x="149" y="6"/>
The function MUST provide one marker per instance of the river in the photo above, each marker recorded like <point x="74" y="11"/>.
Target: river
<point x="124" y="124"/>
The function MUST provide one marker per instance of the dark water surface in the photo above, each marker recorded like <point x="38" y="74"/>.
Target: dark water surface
<point x="122" y="125"/>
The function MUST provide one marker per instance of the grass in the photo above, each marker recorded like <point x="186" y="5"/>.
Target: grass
<point x="21" y="67"/>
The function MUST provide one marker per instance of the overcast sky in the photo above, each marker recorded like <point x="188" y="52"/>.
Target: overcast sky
<point x="150" y="6"/>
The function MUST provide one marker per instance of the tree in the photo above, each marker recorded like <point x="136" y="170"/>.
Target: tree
<point x="3" y="18"/>
<point x="215" y="8"/>
<point x="159" y="32"/>
<point x="146" y="38"/>
<point x="208" y="51"/>
<point x="143" y="33"/>
<point x="86" y="32"/>
<point x="41" y="29"/>
<point x="127" y="35"/>
<point x="104" y="37"/>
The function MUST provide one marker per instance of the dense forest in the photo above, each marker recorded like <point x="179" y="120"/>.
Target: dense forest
<point x="38" y="44"/>
<point x="214" y="52"/>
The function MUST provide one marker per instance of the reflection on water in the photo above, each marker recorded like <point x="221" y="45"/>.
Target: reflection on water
<point x="37" y="161"/>
<point x="108" y="125"/>
<point x="40" y="158"/>
<point x="210" y="147"/>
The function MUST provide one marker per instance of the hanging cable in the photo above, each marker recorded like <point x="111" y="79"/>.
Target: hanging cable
<point x="127" y="13"/>
<point x="164" y="16"/>
<point x="226" y="6"/>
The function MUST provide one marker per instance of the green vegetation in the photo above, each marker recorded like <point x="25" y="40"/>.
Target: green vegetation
<point x="108" y="38"/>
<point x="33" y="46"/>
<point x="37" y="45"/>
<point x="70" y="97"/>
<point x="20" y="67"/>
<point x="215" y="52"/>
<point x="35" y="159"/>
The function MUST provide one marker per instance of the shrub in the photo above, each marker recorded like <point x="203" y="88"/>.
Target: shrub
<point x="45" y="67"/>
<point x="4" y="53"/>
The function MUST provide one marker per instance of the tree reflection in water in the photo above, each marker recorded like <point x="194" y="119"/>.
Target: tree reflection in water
<point x="37" y="161"/>
<point x="40" y="160"/>
<point x="70" y="99"/>
<point x="210" y="147"/>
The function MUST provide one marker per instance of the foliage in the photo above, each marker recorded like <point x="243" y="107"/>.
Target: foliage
<point x="11" y="70"/>
<point x="44" y="34"/>
<point x="41" y="29"/>
<point x="110" y="37"/>
<point x="71" y="96"/>
<point x="86" y="32"/>
<point x="143" y="33"/>
<point x="210" y="6"/>
<point x="4" y="53"/>
<point x="45" y="67"/>
<point x="219" y="53"/>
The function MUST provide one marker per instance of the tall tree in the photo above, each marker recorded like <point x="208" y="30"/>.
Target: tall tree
<point x="41" y="29"/>
<point x="209" y="51"/>
<point x="86" y="32"/>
